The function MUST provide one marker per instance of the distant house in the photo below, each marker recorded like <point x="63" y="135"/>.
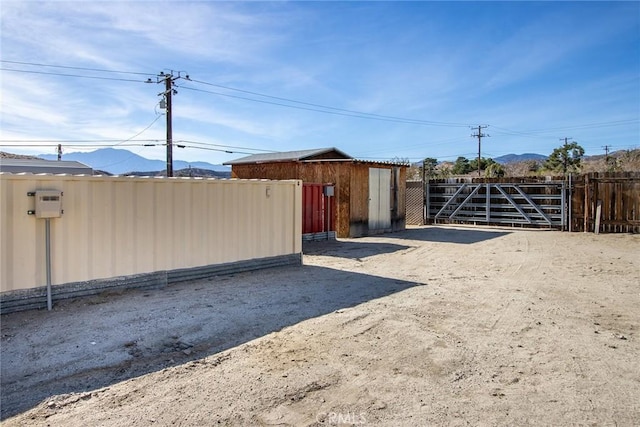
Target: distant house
<point x="349" y="196"/>
<point x="37" y="166"/>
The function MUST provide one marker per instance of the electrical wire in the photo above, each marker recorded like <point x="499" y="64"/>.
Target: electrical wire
<point x="59" y="141"/>
<point x="129" y="143"/>
<point x="417" y="121"/>
<point x="76" y="68"/>
<point x="143" y="130"/>
<point x="312" y="106"/>
<point x="337" y="113"/>
<point x="301" y="105"/>
<point x="85" y="145"/>
<point x="226" y="146"/>
<point x="215" y="149"/>
<point x="533" y="133"/>
<point x="72" y="75"/>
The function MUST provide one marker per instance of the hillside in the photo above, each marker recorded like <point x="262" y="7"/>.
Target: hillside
<point x="513" y="158"/>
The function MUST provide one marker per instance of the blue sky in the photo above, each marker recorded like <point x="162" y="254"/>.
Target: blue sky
<point x="402" y="79"/>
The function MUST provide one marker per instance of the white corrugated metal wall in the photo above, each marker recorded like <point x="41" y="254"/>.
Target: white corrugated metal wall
<point x="118" y="226"/>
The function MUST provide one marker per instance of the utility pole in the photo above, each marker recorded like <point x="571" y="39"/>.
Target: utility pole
<point x="565" y="157"/>
<point x="607" y="160"/>
<point x="168" y="80"/>
<point x="479" y="135"/>
<point x="168" y="92"/>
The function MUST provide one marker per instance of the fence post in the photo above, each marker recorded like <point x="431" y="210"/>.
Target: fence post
<point x="586" y="203"/>
<point x="427" y="202"/>
<point x="570" y="213"/>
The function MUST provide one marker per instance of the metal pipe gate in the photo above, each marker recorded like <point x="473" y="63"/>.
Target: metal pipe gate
<point x="526" y="204"/>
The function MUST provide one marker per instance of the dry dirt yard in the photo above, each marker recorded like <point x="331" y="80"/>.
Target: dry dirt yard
<point x="431" y="326"/>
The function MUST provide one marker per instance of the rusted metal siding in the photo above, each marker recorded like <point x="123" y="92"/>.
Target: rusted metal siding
<point x="318" y="210"/>
<point x="115" y="226"/>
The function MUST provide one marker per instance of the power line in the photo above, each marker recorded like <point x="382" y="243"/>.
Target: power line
<point x="429" y="122"/>
<point x="337" y="113"/>
<point x="534" y="133"/>
<point x="101" y="70"/>
<point x="118" y="143"/>
<point x="215" y="149"/>
<point x="227" y="146"/>
<point x="72" y="75"/>
<point x="2" y="141"/>
<point x="54" y="145"/>
<point x="143" y="130"/>
<point x="316" y="107"/>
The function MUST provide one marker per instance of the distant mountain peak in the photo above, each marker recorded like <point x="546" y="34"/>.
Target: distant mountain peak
<point x="514" y="158"/>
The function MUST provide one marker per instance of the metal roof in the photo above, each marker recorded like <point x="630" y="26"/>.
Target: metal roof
<point x="44" y="166"/>
<point x="288" y="156"/>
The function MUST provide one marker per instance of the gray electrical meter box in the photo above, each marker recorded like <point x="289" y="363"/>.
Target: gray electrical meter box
<point x="48" y="203"/>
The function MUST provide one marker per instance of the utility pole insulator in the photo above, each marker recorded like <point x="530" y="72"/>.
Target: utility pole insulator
<point x="479" y="135"/>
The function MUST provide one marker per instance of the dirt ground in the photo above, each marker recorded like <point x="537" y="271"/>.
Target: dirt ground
<point x="431" y="326"/>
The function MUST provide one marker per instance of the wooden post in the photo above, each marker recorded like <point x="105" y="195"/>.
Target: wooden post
<point x="586" y="203"/>
<point x="596" y="228"/>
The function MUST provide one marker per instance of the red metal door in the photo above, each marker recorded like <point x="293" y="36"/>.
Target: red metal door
<point x="317" y="209"/>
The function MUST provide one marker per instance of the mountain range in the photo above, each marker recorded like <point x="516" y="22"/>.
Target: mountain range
<point x="513" y="158"/>
<point x="118" y="162"/>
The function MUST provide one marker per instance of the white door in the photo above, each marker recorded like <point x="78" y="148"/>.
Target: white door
<point x="379" y="199"/>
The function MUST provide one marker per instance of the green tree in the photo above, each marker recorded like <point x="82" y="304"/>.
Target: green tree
<point x="484" y="163"/>
<point x="494" y="170"/>
<point x="461" y="166"/>
<point x="444" y="172"/>
<point x="565" y="159"/>
<point x="429" y="167"/>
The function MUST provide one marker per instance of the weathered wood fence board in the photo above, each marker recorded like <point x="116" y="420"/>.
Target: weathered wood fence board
<point x="619" y="196"/>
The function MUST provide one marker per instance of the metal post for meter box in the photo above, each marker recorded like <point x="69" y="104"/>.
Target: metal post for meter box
<point x="48" y="205"/>
<point x="47" y="240"/>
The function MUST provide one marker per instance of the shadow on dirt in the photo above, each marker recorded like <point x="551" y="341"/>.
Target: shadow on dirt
<point x="359" y="248"/>
<point x="465" y="236"/>
<point x="351" y="248"/>
<point x="89" y="343"/>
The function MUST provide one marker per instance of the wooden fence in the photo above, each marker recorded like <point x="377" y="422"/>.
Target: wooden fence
<point x="606" y="203"/>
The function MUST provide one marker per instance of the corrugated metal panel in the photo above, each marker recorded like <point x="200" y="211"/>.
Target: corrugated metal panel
<point x="115" y="226"/>
<point x="318" y="210"/>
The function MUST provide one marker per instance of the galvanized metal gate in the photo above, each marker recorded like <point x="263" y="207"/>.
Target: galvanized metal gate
<point x="527" y="204"/>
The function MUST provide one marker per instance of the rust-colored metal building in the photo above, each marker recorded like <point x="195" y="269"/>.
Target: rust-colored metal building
<point x="363" y="197"/>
